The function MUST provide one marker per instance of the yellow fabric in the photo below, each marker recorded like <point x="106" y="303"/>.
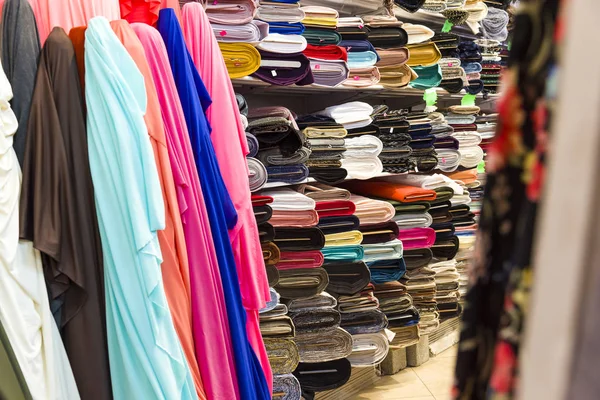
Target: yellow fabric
<point x="343" y="239"/>
<point x="241" y="59"/>
<point x="423" y="54"/>
<point x="317" y="22"/>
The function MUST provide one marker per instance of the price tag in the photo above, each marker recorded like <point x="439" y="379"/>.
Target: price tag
<point x="273" y="72"/>
<point x="317" y="66"/>
<point x="223" y="33"/>
<point x="356" y="77"/>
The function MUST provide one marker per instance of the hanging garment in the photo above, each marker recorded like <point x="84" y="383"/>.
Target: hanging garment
<point x="222" y="214"/>
<point x="175" y="267"/>
<point x="58" y="214"/>
<point x="77" y="36"/>
<point x="130" y="212"/>
<point x="209" y="318"/>
<point x="230" y="146"/>
<point x="12" y="382"/>
<point x="20" y="51"/>
<point x="24" y="307"/>
<point x="70" y="13"/>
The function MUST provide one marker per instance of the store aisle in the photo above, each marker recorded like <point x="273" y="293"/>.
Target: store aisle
<point x="431" y="381"/>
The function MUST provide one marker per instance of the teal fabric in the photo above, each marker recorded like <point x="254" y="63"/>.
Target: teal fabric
<point x="343" y="253"/>
<point x="146" y="358"/>
<point x="429" y="77"/>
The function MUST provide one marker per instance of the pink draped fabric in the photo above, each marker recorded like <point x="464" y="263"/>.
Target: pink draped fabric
<point x="231" y="147"/>
<point x="146" y="11"/>
<point x="70" y="13"/>
<point x="210" y="322"/>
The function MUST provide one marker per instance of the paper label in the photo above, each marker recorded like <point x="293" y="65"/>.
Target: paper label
<point x="390" y="335"/>
<point x="317" y="66"/>
<point x="223" y="33"/>
<point x="468" y="100"/>
<point x="430" y="97"/>
<point x="481" y="167"/>
<point x="447" y="26"/>
<point x="273" y="72"/>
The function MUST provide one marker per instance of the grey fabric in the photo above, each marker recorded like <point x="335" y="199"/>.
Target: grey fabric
<point x="20" y="52"/>
<point x="283" y="355"/>
<point x="324" y="346"/>
<point x="350" y="8"/>
<point x="286" y="387"/>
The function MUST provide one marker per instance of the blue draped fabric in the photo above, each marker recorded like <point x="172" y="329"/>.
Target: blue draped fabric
<point x="146" y="358"/>
<point x="222" y="215"/>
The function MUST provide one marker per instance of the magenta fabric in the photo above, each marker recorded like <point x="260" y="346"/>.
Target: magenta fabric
<point x="417" y="238"/>
<point x="229" y="141"/>
<point x="210" y="322"/>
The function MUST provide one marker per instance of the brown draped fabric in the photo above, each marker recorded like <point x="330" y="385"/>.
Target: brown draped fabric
<point x="12" y="382"/>
<point x="58" y="213"/>
<point x="77" y="36"/>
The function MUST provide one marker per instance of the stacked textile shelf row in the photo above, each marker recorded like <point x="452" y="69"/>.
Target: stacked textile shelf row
<point x="307" y="43"/>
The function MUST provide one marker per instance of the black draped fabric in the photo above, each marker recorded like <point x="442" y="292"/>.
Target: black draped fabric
<point x="20" y="52"/>
<point x="58" y="214"/>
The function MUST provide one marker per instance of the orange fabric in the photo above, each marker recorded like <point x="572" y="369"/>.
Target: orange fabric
<point x="467" y="177"/>
<point x="175" y="268"/>
<point x="391" y="191"/>
<point x="77" y="36"/>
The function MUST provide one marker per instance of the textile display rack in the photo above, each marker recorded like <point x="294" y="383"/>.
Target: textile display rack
<point x="236" y="199"/>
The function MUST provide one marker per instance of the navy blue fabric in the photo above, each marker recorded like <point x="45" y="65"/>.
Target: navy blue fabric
<point x="383" y="271"/>
<point x="354" y="46"/>
<point x="286" y="28"/>
<point x="195" y="100"/>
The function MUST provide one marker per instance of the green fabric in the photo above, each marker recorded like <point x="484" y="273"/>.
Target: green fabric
<point x="343" y="253"/>
<point x="429" y="77"/>
<point x="322" y="37"/>
<point x="12" y="383"/>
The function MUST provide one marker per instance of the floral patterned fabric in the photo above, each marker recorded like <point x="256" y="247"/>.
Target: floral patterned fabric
<point x="501" y="273"/>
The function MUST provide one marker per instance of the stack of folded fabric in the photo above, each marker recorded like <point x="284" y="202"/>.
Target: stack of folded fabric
<point x="423" y="155"/>
<point x="392" y="128"/>
<point x="454" y="77"/>
<point x="392" y="65"/>
<point x="281" y="145"/>
<point x="325" y="138"/>
<point x="328" y="64"/>
<point x="271" y="253"/>
<point x="495" y="25"/>
<point x="462" y="119"/>
<point x="445" y="145"/>
<point x="361" y="158"/>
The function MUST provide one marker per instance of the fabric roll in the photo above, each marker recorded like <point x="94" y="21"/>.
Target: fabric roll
<point x="331" y="52"/>
<point x="383" y="251"/>
<point x="349" y="238"/>
<point x="352" y="46"/>
<point x="272" y="274"/>
<point x="322" y="37"/>
<point x="363" y="59"/>
<point x="454" y="85"/>
<point x="301" y="282"/>
<point x="387" y="37"/>
<point x="428" y="77"/>
<point x="362" y="168"/>
<point x="443" y="231"/>
<point x="446" y="249"/>
<point x="335" y="208"/>
<point x="272" y="303"/>
<point x="266" y="232"/>
<point x="260" y="200"/>
<point x="449" y="159"/>
<point x="440" y="212"/>
<point x="383" y="271"/>
<point x="363" y="77"/>
<point x="363" y="146"/>
<point x="371" y="211"/>
<point x="283" y="44"/>
<point x="322" y="300"/>
<point x="299" y="239"/>
<point x="257" y="174"/>
<point x="408" y="221"/>
<point x="285" y="199"/>
<point x="405" y="336"/>
<point x="417" y="238"/>
<point x="351" y="8"/>
<point x="347" y="278"/>
<point x="322" y="376"/>
<point x="315" y="320"/>
<point x="20" y="51"/>
<point x="394" y="77"/>
<point x="327" y="132"/>
<point x="410" y="317"/>
<point x="286" y="387"/>
<point x="262" y="213"/>
<point x="446" y="142"/>
<point x="251" y="32"/>
<point x="284" y="69"/>
<point x="281" y="156"/>
<point x="286" y="28"/>
<point x="291" y="174"/>
<point x="252" y="144"/>
<point x="296" y="219"/>
<point x="241" y="59"/>
<point x="337" y="225"/>
<point x="364" y="322"/>
<point x="351" y="115"/>
<point x="467" y="138"/>
<point x="324" y="346"/>
<point x="280" y="12"/>
<point x="343" y="253"/>
<point x="379" y="233"/>
<point x="392" y="191"/>
<point x="470" y="157"/>
<point x="319" y="16"/>
<point x="363" y="301"/>
<point x="271" y="253"/>
<point x="353" y="32"/>
<point x="416" y="258"/>
<point x="300" y="259"/>
<point x="369" y="349"/>
<point x="322" y="192"/>
<point x="410" y="208"/>
<point x="330" y="176"/>
<point x="392" y="57"/>
<point x="283" y="355"/>
<point x="277" y="327"/>
<point x="417" y="33"/>
<point x="447" y="43"/>
<point x="231" y="12"/>
<point x="423" y="55"/>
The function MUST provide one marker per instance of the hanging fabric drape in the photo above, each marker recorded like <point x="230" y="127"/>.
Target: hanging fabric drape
<point x="209" y="316"/>
<point x="24" y="307"/>
<point x="77" y="36"/>
<point x="146" y="358"/>
<point x="146" y="11"/>
<point x="58" y="214"/>
<point x="12" y="384"/>
<point x="175" y="268"/>
<point x="195" y="101"/>
<point x="231" y="146"/>
<point x="20" y="51"/>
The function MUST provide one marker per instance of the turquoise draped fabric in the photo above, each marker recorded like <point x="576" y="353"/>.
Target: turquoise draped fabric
<point x="146" y="358"/>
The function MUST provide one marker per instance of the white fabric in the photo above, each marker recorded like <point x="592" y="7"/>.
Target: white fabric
<point x="319" y="12"/>
<point x="383" y="251"/>
<point x="366" y="146"/>
<point x="467" y="138"/>
<point x="417" y="33"/>
<point x="350" y="22"/>
<point x="362" y="167"/>
<point x="416" y="220"/>
<point x="448" y="160"/>
<point x="285" y="199"/>
<point x="24" y="307"/>
<point x="369" y="349"/>
<point x="470" y="157"/>
<point x="280" y="12"/>
<point x="285" y="44"/>
<point x="355" y="114"/>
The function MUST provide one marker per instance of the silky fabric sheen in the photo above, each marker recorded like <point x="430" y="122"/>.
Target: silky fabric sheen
<point x="130" y="212"/>
<point x="24" y="306"/>
<point x="20" y="51"/>
<point x="195" y="100"/>
<point x="59" y="215"/>
<point x="12" y="385"/>
<point x="175" y="266"/>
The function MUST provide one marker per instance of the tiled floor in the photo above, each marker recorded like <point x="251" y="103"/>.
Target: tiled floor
<point x="430" y="381"/>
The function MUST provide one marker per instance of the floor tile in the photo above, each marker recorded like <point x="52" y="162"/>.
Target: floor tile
<point x="437" y="375"/>
<point x="451" y="352"/>
<point x="404" y="385"/>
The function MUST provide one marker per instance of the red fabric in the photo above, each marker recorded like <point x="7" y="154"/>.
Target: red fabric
<point x="330" y="52"/>
<point x="258" y="200"/>
<point x="336" y="208"/>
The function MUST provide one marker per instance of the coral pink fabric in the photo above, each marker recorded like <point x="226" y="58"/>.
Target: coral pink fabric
<point x="175" y="268"/>
<point x="70" y="13"/>
<point x="231" y="148"/>
<point x="209" y="315"/>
